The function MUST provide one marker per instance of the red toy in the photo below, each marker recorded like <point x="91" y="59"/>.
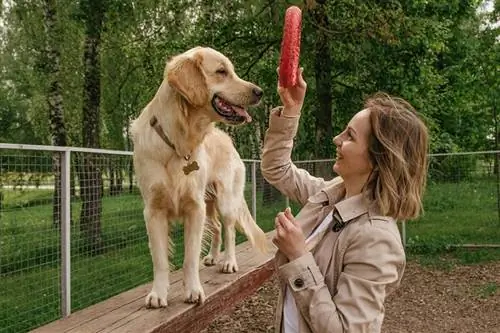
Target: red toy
<point x="290" y="47"/>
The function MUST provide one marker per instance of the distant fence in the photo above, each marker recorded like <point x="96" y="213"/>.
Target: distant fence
<point x="72" y="231"/>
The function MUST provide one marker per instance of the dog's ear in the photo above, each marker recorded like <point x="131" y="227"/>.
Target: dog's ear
<point x="185" y="75"/>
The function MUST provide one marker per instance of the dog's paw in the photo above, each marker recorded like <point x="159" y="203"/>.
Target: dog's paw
<point x="209" y="260"/>
<point x="229" y="266"/>
<point x="155" y="300"/>
<point x="195" y="295"/>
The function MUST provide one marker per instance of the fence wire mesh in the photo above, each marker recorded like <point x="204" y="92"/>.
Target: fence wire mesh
<point x="108" y="241"/>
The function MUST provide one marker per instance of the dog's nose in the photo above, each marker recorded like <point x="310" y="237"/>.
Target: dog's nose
<point x="258" y="92"/>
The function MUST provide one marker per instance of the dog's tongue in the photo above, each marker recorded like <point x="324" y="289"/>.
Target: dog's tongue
<point x="242" y="112"/>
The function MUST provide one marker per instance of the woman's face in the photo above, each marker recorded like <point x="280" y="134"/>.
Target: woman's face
<point x="352" y="160"/>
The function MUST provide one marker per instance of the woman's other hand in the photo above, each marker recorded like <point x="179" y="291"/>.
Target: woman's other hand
<point x="289" y="237"/>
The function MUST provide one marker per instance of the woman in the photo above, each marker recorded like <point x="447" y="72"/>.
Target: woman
<point x="340" y="257"/>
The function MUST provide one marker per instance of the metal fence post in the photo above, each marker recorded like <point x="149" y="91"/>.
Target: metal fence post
<point x="403" y="233"/>
<point x="254" y="190"/>
<point x="65" y="233"/>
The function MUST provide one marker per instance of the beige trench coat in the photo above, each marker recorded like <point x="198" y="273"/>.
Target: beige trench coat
<point x="341" y="285"/>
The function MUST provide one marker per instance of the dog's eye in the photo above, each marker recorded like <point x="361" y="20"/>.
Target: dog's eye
<point x="221" y="71"/>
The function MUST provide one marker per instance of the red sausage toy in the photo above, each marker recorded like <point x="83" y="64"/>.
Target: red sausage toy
<point x="290" y="47"/>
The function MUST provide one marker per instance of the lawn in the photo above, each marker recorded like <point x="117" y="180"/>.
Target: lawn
<point x="30" y="256"/>
<point x="455" y="213"/>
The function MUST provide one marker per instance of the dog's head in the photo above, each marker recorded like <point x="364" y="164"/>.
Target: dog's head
<point x="207" y="81"/>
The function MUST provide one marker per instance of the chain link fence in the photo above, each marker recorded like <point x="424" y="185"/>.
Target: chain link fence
<point x="72" y="231"/>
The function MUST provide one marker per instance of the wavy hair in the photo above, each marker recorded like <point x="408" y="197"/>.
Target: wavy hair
<point x="398" y="149"/>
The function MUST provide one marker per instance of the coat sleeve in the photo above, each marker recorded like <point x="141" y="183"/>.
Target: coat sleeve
<point x="277" y="167"/>
<point x="373" y="266"/>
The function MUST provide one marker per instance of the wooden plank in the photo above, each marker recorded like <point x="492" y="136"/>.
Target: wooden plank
<point x="220" y="302"/>
<point x="126" y="312"/>
<point x="210" y="278"/>
<point x="129" y="312"/>
<point x="223" y="292"/>
<point x="102" y="309"/>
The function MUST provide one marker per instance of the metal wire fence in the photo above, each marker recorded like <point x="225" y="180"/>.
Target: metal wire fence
<point x="72" y="231"/>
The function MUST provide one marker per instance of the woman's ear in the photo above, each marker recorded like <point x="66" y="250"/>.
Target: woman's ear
<point x="185" y="75"/>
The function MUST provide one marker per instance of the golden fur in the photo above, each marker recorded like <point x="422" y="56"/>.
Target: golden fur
<point x="184" y="107"/>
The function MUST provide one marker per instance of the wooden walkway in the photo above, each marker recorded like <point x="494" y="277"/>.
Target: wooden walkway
<point x="126" y="313"/>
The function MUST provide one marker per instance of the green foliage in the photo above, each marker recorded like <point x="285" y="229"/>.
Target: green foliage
<point x="437" y="54"/>
<point x="455" y="168"/>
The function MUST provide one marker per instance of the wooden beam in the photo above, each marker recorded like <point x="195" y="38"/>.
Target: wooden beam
<point x="126" y="312"/>
<point x="198" y="318"/>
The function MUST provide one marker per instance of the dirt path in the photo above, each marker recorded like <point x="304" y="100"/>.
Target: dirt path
<point x="463" y="300"/>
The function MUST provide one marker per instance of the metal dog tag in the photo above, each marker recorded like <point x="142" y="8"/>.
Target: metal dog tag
<point x="190" y="167"/>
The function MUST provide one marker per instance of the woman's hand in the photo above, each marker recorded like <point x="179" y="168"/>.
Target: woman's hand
<point x="289" y="237"/>
<point x="292" y="98"/>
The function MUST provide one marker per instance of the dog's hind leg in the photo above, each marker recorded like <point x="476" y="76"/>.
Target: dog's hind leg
<point x="215" y="232"/>
<point x="193" y="236"/>
<point x="157" y="226"/>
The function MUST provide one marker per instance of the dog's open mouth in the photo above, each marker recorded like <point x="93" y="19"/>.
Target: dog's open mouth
<point x="230" y="112"/>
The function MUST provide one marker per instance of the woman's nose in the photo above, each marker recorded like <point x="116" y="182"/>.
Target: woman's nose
<point x="337" y="141"/>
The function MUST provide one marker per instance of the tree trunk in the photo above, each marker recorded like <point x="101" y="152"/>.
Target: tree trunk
<point x="496" y="167"/>
<point x="90" y="177"/>
<point x="115" y="178"/>
<point x="323" y="76"/>
<point x="54" y="101"/>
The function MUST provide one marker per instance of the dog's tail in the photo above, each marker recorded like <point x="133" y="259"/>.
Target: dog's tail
<point x="247" y="225"/>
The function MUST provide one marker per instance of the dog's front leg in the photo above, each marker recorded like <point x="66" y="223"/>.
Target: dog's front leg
<point x="157" y="226"/>
<point x="193" y="234"/>
<point x="229" y="264"/>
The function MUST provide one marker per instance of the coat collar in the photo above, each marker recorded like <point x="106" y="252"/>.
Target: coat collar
<point x="350" y="208"/>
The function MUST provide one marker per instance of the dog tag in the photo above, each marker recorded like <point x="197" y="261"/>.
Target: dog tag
<point x="193" y="166"/>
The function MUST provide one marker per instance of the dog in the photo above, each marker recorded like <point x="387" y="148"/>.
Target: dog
<point x="189" y="171"/>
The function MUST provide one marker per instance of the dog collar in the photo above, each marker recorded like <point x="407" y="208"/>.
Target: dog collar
<point x="190" y="167"/>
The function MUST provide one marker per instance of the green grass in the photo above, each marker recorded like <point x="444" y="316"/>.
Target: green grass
<point x="458" y="213"/>
<point x="446" y="260"/>
<point x="24" y="198"/>
<point x="455" y="213"/>
<point x="487" y="290"/>
<point x="30" y="260"/>
<point x="30" y="256"/>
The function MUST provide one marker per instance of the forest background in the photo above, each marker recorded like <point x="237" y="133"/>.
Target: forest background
<point x="75" y="73"/>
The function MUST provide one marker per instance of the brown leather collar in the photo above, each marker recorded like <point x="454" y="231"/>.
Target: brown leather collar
<point x="190" y="167"/>
<point x="157" y="127"/>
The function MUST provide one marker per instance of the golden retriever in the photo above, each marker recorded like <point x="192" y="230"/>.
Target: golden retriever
<point x="189" y="171"/>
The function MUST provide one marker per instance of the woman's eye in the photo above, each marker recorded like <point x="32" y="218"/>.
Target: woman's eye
<point x="221" y="71"/>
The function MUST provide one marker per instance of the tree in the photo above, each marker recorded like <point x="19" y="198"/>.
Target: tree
<point x="322" y="74"/>
<point x="90" y="173"/>
<point x="432" y="53"/>
<point x="54" y="99"/>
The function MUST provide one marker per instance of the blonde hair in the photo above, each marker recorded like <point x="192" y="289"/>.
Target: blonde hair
<point x="398" y="149"/>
